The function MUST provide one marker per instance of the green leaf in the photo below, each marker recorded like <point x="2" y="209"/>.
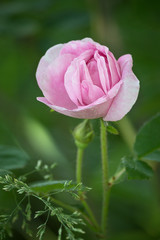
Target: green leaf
<point x="48" y="186"/>
<point x="137" y="169"/>
<point x="154" y="156"/>
<point x="112" y="130"/>
<point x="148" y="138"/>
<point x="12" y="157"/>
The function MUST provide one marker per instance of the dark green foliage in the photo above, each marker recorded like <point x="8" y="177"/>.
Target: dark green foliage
<point x="137" y="169"/>
<point x="146" y="147"/>
<point x="154" y="156"/>
<point x="69" y="222"/>
<point x="28" y="29"/>
<point x="148" y="139"/>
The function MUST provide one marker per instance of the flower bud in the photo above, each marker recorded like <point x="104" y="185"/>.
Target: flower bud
<point x="83" y="134"/>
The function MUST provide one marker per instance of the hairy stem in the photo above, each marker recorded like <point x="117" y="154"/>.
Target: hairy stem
<point x="117" y="175"/>
<point x="106" y="189"/>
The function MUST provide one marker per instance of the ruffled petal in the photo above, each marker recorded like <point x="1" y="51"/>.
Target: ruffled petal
<point x="72" y="78"/>
<point x="128" y="92"/>
<point x="90" y="92"/>
<point x="113" y="68"/>
<point x="103" y="72"/>
<point x="93" y="71"/>
<point x="79" y="46"/>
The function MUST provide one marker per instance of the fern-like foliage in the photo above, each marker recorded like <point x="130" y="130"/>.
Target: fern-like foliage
<point x="69" y="223"/>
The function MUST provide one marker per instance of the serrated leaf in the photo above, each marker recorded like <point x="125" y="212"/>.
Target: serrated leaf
<point x="12" y="158"/>
<point x="148" y="138"/>
<point x="137" y="169"/>
<point x="112" y="130"/>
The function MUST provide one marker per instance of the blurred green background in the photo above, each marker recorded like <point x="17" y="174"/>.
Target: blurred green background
<point x="27" y="29"/>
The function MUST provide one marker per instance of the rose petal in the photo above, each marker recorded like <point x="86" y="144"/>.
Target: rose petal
<point x="76" y="47"/>
<point x="90" y="92"/>
<point x="51" y="79"/>
<point x="84" y="72"/>
<point x="113" y="91"/>
<point x="93" y="71"/>
<point x="128" y="93"/>
<point x="72" y="83"/>
<point x="95" y="110"/>
<point x="80" y="46"/>
<point x="51" y="54"/>
<point x="103" y="72"/>
<point x="98" y="46"/>
<point x="72" y="78"/>
<point x="113" y="70"/>
<point x="116" y="63"/>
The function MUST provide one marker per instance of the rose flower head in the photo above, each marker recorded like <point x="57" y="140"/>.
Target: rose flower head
<point x="82" y="79"/>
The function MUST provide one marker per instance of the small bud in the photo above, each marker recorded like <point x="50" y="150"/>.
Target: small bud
<point x="83" y="134"/>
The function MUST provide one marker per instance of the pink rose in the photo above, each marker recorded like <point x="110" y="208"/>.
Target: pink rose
<point x="82" y="79"/>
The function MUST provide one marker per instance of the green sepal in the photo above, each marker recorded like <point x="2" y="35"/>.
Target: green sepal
<point x="112" y="130"/>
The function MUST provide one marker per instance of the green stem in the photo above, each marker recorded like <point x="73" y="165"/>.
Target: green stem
<point x="106" y="189"/>
<point x="80" y="152"/>
<point x="116" y="177"/>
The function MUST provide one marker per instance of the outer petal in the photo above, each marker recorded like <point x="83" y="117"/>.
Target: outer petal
<point x="49" y="57"/>
<point x="95" y="110"/>
<point x="50" y="77"/>
<point x="127" y="95"/>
